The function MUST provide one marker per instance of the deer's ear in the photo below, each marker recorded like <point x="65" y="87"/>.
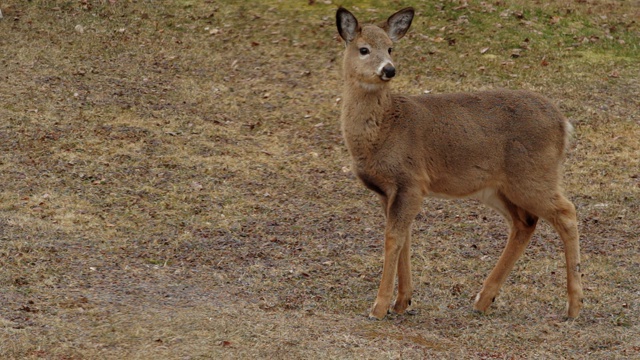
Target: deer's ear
<point x="347" y="24"/>
<point x="398" y="23"/>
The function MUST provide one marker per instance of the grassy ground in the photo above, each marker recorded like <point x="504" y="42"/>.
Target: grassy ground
<point x="173" y="183"/>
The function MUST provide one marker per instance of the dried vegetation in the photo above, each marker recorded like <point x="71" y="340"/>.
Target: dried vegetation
<point x="173" y="183"/>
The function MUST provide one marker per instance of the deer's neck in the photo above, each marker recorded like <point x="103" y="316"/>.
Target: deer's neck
<point x="363" y="112"/>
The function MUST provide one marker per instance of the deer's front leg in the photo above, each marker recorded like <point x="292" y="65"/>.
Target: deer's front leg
<point x="401" y="211"/>
<point x="392" y="246"/>
<point x="405" y="286"/>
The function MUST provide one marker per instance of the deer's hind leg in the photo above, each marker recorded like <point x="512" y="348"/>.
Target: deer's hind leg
<point x="521" y="227"/>
<point x="564" y="219"/>
<point x="561" y="213"/>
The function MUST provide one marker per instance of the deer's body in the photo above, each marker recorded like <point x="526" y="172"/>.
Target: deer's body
<point x="503" y="147"/>
<point x="404" y="134"/>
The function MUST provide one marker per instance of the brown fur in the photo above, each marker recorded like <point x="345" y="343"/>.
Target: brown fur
<point x="503" y="147"/>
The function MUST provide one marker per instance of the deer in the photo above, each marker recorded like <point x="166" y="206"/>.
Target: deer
<point x="502" y="147"/>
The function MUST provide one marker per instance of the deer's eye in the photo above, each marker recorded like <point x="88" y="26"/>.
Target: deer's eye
<point x="390" y="49"/>
<point x="364" y="51"/>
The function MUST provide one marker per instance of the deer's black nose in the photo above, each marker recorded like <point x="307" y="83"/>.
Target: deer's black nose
<point x="388" y="71"/>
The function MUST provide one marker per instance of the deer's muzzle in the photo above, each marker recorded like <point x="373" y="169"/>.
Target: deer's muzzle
<point x="388" y="72"/>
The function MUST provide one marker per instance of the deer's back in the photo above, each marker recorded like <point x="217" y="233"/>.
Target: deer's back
<point x="484" y="119"/>
<point x="484" y="137"/>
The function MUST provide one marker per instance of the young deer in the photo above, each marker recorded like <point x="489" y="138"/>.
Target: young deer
<point x="502" y="147"/>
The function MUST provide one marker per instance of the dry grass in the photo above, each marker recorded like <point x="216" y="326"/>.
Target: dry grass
<point x="173" y="184"/>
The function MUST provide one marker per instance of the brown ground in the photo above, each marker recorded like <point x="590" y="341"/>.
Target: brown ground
<point x="173" y="183"/>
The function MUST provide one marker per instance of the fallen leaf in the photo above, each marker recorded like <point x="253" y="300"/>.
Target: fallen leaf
<point x="27" y="308"/>
<point x="544" y="61"/>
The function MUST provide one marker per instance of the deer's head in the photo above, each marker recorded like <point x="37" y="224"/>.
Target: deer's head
<point x="368" y="50"/>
